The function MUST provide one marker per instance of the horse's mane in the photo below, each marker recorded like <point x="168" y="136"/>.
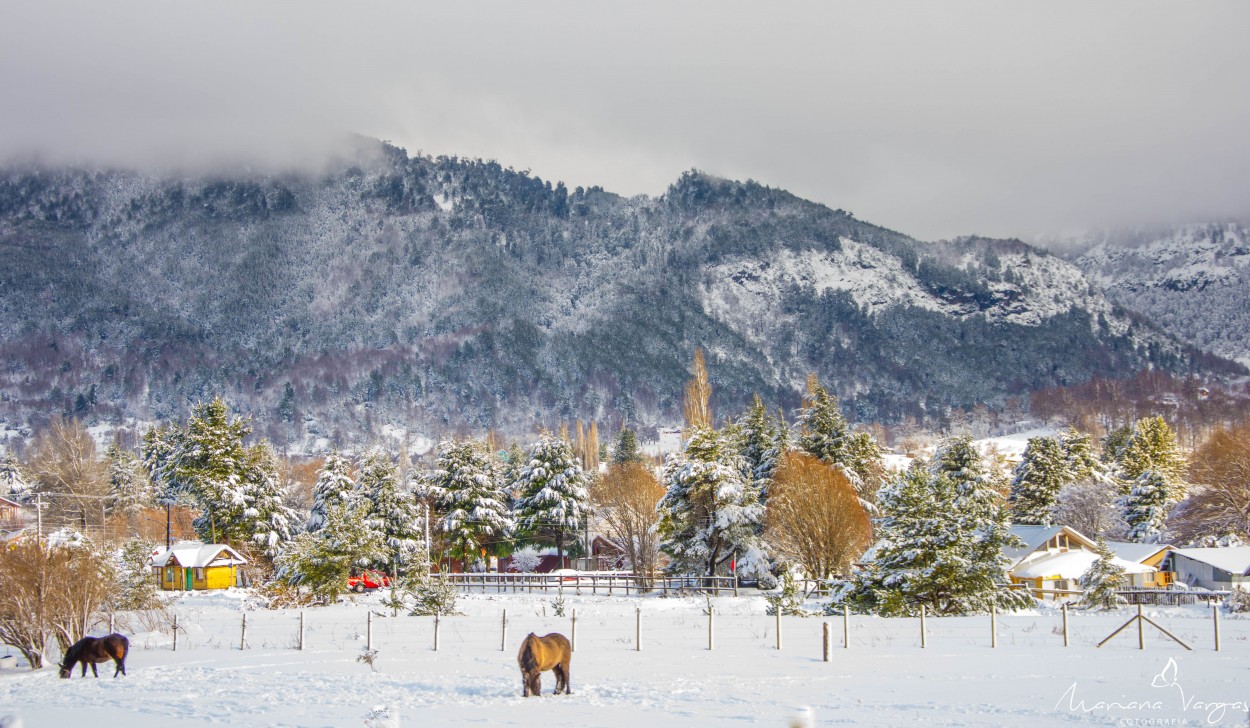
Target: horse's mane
<point x="529" y="661"/>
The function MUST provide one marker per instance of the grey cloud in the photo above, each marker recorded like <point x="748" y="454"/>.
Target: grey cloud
<point x="936" y="119"/>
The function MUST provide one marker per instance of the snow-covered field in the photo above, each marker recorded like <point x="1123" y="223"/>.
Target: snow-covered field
<point x="885" y="678"/>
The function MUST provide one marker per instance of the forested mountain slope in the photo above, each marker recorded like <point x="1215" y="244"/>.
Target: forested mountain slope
<point x="1193" y="280"/>
<point x="436" y="294"/>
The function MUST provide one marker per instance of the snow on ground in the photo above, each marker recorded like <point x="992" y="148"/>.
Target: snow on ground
<point x="885" y="678"/>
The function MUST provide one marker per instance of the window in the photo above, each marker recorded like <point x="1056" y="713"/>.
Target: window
<point x="169" y="573"/>
<point x="199" y="574"/>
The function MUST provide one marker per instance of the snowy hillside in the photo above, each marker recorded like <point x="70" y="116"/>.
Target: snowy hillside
<point x="1192" y="280"/>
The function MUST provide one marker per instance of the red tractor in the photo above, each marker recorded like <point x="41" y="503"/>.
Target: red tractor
<point x="369" y="580"/>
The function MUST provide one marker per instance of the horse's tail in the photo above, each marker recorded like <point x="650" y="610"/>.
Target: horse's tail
<point x="123" y="645"/>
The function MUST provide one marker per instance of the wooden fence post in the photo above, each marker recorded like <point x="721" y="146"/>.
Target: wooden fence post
<point x="710" y="611"/>
<point x="993" y="626"/>
<point x="825" y="644"/>
<point x="1065" y="624"/>
<point x="301" y="629"/>
<point x="175" y="633"/>
<point x="573" y="633"/>
<point x="923" y="637"/>
<point x="1141" y="630"/>
<point x="846" y="627"/>
<point x="436" y="631"/>
<point x="637" y="629"/>
<point x="778" y="626"/>
<point x="503" y="638"/>
<point x="111" y="628"/>
<point x="1215" y="616"/>
<point x="243" y="633"/>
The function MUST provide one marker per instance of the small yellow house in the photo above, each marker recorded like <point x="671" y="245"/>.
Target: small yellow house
<point x="1149" y="554"/>
<point x="191" y="565"/>
<point x="1054" y="558"/>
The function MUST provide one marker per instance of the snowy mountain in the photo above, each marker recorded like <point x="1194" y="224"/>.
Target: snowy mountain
<point x="440" y="293"/>
<point x="1193" y="280"/>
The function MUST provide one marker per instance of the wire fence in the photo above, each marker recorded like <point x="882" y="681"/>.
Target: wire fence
<point x="594" y="628"/>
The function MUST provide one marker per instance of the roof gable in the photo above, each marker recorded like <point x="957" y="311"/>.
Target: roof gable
<point x="1034" y="537"/>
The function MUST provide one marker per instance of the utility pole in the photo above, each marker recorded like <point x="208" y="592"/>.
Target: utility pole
<point x="168" y="518"/>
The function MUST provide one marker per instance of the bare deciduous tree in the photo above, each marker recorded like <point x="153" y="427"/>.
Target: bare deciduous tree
<point x="50" y="592"/>
<point x="814" y="517"/>
<point x="626" y="497"/>
<point x="1219" y="502"/>
<point x="64" y="465"/>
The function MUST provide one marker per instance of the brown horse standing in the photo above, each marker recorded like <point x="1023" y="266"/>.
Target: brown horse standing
<point x="90" y="650"/>
<point x="551" y="652"/>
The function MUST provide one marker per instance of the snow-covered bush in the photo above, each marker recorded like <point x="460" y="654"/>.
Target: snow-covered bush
<point x="525" y="560"/>
<point x="1238" y="601"/>
<point x="788" y="599"/>
<point x="1100" y="581"/>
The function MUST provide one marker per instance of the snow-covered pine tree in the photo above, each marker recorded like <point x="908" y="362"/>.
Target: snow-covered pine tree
<point x="334" y="485"/>
<point x="1078" y="448"/>
<point x="1039" y="477"/>
<point x="552" y="492"/>
<point x="468" y="498"/>
<point x="213" y="463"/>
<point x="761" y="442"/>
<point x="823" y="430"/>
<point x="1146" y="507"/>
<point x="322" y="560"/>
<point x="710" y="510"/>
<point x="626" y="449"/>
<point x="1100" y="581"/>
<point x="128" y="483"/>
<point x="13" y="483"/>
<point x="270" y="522"/>
<point x="1153" y="446"/>
<point x="393" y="511"/>
<point x="159" y="453"/>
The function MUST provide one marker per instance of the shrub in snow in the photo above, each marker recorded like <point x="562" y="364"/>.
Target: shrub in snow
<point x="525" y="560"/>
<point x="433" y="595"/>
<point x="1238" y="601"/>
<point x="788" y="599"/>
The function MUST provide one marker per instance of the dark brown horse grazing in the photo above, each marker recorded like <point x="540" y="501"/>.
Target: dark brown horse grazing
<point x="551" y="652"/>
<point x="90" y="650"/>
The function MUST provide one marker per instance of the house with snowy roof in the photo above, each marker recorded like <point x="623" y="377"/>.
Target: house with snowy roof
<point x="191" y="565"/>
<point x="1056" y="557"/>
<point x="1217" y="569"/>
<point x="1150" y="554"/>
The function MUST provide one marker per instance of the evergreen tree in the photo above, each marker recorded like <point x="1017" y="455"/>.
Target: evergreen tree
<point x="1146" y="507"/>
<point x="762" y="442"/>
<point x="865" y="466"/>
<point x="323" y="559"/>
<point x="1153" y="446"/>
<point x="1039" y="477"/>
<point x="393" y="511"/>
<point x="1100" y="581"/>
<point x="468" y="497"/>
<point x="1151" y="471"/>
<point x="941" y="545"/>
<point x="159" y="453"/>
<point x="129" y="485"/>
<point x="710" y="510"/>
<point x="626" y="449"/>
<point x="1078" y="449"/>
<point x="269" y="521"/>
<point x="552" y="492"/>
<point x="13" y="482"/>
<point x="823" y="430"/>
<point x="334" y="485"/>
<point x="137" y="589"/>
<point x="1114" y="443"/>
<point x="213" y="463"/>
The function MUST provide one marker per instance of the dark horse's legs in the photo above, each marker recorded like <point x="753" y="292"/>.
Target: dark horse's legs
<point x="121" y="666"/>
<point x="94" y="670"/>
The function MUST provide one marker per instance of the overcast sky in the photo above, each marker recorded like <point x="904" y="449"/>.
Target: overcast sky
<point x="933" y="118"/>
